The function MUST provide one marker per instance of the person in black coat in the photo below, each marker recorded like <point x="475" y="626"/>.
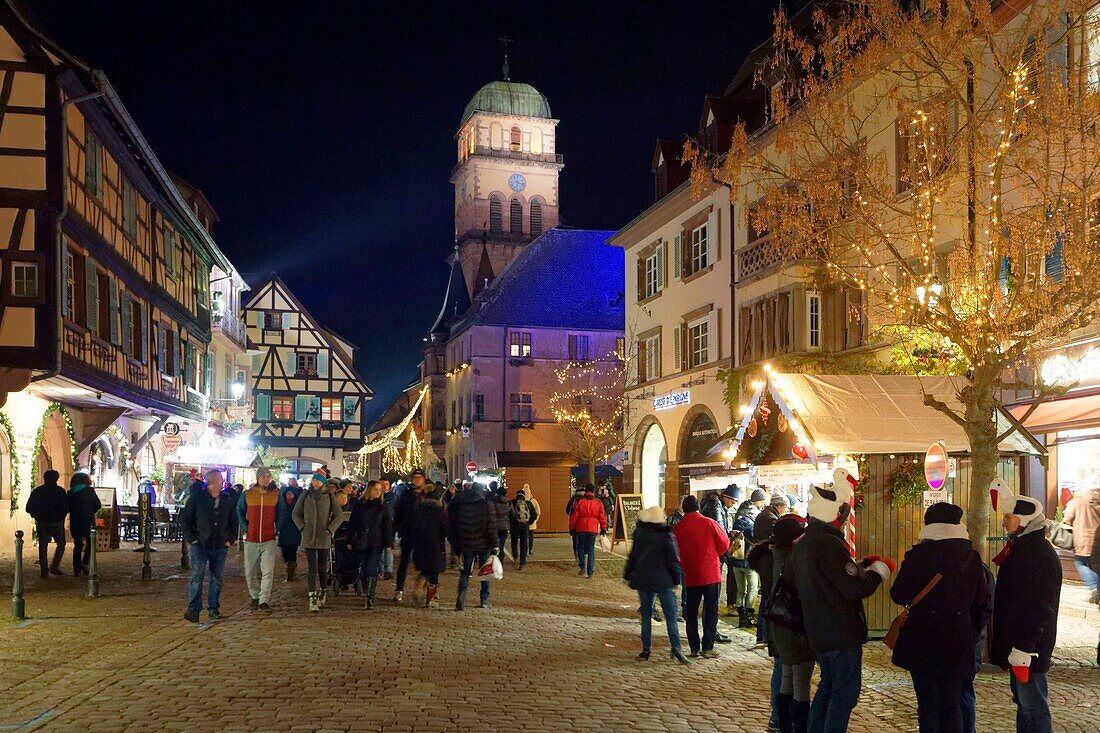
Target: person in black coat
<point x="653" y="569"/>
<point x="936" y="644"/>
<point x="473" y="527"/>
<point x="406" y="508"/>
<point x="210" y="527"/>
<point x="370" y="530"/>
<point x="1025" y="606"/>
<point x="49" y="505"/>
<point x="427" y="532"/>
<point x="83" y="505"/>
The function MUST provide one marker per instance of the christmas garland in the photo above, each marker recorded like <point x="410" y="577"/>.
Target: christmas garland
<point x="907" y="484"/>
<point x="13" y="460"/>
<point x="53" y="407"/>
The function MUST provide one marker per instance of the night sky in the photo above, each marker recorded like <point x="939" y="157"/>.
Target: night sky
<point x="322" y="132"/>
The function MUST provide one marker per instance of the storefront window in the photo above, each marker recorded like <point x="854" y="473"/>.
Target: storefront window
<point x="1078" y="460"/>
<point x="654" y="457"/>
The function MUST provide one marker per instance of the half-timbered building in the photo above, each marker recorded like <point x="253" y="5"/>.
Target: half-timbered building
<point x="104" y="269"/>
<point x="309" y="400"/>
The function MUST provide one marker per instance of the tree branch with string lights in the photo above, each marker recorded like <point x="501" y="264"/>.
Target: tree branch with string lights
<point x="942" y="169"/>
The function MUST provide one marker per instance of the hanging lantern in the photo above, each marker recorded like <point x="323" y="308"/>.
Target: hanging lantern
<point x="799" y="451"/>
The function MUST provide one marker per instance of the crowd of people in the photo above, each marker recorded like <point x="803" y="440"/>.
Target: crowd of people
<point x="811" y="600"/>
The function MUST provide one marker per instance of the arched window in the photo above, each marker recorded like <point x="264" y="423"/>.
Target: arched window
<point x="496" y="136"/>
<point x="536" y="141"/>
<point x="516" y="140"/>
<point x="515" y="217"/>
<point x="496" y="214"/>
<point x="536" y="218"/>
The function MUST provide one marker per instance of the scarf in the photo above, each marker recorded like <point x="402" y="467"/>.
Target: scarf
<point x="940" y="531"/>
<point x="1036" y="524"/>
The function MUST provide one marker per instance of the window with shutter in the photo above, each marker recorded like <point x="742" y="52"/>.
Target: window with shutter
<point x="143" y="316"/>
<point x="314" y="412"/>
<point x="113" y="323"/>
<point x="643" y="358"/>
<point x="162" y="349"/>
<point x="351" y="404"/>
<point x="496" y="214"/>
<point x="515" y="217"/>
<point x="677" y="348"/>
<point x="290" y="363"/>
<point x="93" y="163"/>
<point x="127" y="327"/>
<point x="91" y="295"/>
<point x="677" y="258"/>
<point x="301" y="407"/>
<point x="322" y="364"/>
<point x="662" y="266"/>
<point x="536" y="215"/>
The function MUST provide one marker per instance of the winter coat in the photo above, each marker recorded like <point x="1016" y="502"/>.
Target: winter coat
<point x="211" y="527"/>
<point x="1025" y="604"/>
<point x="1083" y="514"/>
<point x="786" y="645"/>
<point x="288" y="531"/>
<point x="256" y="512"/>
<point x="427" y="531"/>
<point x="370" y="525"/>
<point x="654" y="561"/>
<point x="538" y="512"/>
<point x="48" y="503"/>
<point x="406" y="508"/>
<point x="390" y="501"/>
<point x="577" y="496"/>
<point x="940" y="632"/>
<point x="318" y="514"/>
<point x="502" y="508"/>
<point x="743" y="523"/>
<point x="831" y="587"/>
<point x="764" y="524"/>
<point x="83" y="504"/>
<point x="588" y="515"/>
<point x="702" y="544"/>
<point x="472" y="522"/>
<point x="761" y="562"/>
<point x="608" y="501"/>
<point x="513" y="514"/>
<point x="712" y="507"/>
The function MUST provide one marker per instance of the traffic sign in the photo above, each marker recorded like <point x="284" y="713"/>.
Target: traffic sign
<point x="171" y="428"/>
<point x="171" y="442"/>
<point x="935" y="466"/>
<point x="471" y="467"/>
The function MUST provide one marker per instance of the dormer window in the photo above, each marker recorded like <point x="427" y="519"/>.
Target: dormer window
<point x="515" y="141"/>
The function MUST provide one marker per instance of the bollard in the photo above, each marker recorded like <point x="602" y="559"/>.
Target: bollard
<point x="93" y="568"/>
<point x="18" y="607"/>
<point x="146" y="559"/>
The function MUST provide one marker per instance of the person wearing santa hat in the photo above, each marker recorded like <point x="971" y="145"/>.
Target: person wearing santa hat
<point x="1025" y="606"/>
<point x="832" y="586"/>
<point x="942" y="582"/>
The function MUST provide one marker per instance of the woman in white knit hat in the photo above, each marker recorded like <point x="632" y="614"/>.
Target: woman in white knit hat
<point x="535" y="524"/>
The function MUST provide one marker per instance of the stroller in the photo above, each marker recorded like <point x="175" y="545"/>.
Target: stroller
<point x="345" y="562"/>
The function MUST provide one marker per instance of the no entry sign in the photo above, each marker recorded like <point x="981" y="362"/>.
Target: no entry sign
<point x="471" y="467"/>
<point x="935" y="466"/>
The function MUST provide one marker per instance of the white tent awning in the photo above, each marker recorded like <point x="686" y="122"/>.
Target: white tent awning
<point x="867" y="413"/>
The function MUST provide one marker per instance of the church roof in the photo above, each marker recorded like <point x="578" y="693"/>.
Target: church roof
<point x="507" y="98"/>
<point x="455" y="301"/>
<point x="567" y="278"/>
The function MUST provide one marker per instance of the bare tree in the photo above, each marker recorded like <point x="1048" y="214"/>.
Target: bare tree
<point x="942" y="165"/>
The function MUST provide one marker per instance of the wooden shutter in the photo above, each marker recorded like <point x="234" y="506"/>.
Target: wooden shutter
<point x="291" y="363"/>
<point x="322" y="364"/>
<point x="256" y="361"/>
<point x="783" y="323"/>
<point x="188" y="363"/>
<point x="286" y="321"/>
<point x="713" y="352"/>
<point x="350" y="406"/>
<point x="677" y="348"/>
<point x="91" y="295"/>
<point x="113" y="324"/>
<point x="642" y="357"/>
<point x="263" y="406"/>
<point x="712" y="237"/>
<point x="177" y="363"/>
<point x="662" y="267"/>
<point x="66" y="304"/>
<point x="641" y="278"/>
<point x="301" y="407"/>
<point x="656" y="357"/>
<point x="745" y="332"/>
<point x="127" y="325"/>
<point x="143" y="315"/>
<point x="677" y="258"/>
<point x="314" y="409"/>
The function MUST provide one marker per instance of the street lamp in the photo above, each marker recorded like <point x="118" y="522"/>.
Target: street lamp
<point x="237" y="390"/>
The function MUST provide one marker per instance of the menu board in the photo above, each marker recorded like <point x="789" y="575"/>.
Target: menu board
<point x="626" y="518"/>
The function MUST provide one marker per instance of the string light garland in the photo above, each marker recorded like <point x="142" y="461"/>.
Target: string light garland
<point x="41" y="436"/>
<point x="382" y="443"/>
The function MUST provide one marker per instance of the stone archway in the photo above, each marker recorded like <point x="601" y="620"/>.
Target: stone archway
<point x="652" y="464"/>
<point x="698" y="433"/>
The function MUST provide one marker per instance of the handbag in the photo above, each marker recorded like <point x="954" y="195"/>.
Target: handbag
<point x="1062" y="536"/>
<point x="491" y="570"/>
<point x="785" y="607"/>
<point x="605" y="543"/>
<point x="891" y="638"/>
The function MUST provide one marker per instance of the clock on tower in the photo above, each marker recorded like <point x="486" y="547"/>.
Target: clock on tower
<point x="517" y="182"/>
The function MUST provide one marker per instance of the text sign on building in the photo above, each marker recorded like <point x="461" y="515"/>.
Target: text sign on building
<point x="934" y="497"/>
<point x="672" y="399"/>
<point x="171" y="442"/>
<point x="936" y="466"/>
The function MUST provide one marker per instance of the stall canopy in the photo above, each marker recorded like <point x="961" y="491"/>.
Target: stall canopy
<point x="875" y="414"/>
<point x="194" y="455"/>
<point x="1068" y="413"/>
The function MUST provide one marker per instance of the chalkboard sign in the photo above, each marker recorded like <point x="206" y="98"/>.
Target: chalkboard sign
<point x="626" y="518"/>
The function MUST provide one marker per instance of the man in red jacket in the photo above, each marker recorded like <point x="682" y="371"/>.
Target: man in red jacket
<point x="586" y="520"/>
<point x="702" y="543"/>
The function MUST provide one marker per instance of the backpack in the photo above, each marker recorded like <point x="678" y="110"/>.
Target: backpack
<point x="737" y="545"/>
<point x="523" y="512"/>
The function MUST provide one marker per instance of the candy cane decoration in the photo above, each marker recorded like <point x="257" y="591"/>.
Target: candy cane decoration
<point x="850" y="529"/>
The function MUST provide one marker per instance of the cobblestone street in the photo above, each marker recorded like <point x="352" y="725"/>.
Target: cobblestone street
<point x="556" y="652"/>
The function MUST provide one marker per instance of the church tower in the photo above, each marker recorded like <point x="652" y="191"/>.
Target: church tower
<point x="506" y="179"/>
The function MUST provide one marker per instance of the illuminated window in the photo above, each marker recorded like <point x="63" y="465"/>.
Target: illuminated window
<point x="520" y="343"/>
<point x="620" y="348"/>
<point x="699" y="253"/>
<point x="305" y="365"/>
<point x="515" y="140"/>
<point x="332" y="409"/>
<point x="282" y="408"/>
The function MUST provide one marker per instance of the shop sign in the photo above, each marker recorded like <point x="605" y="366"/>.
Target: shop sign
<point x="171" y="428"/>
<point x="793" y="473"/>
<point x="934" y="497"/>
<point x="936" y="466"/>
<point x="1063" y="371"/>
<point x="672" y="399"/>
<point x="171" y="442"/>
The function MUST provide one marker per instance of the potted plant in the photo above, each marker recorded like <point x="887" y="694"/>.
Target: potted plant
<point x="101" y="517"/>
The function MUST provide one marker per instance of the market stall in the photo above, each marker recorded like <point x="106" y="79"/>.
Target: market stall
<point x="795" y="429"/>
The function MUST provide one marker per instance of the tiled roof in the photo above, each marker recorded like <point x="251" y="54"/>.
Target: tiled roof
<point x="567" y="278"/>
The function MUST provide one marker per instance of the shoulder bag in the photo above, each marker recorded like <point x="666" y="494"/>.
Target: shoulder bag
<point x="891" y="638"/>
<point x="1062" y="536"/>
<point x="785" y="607"/>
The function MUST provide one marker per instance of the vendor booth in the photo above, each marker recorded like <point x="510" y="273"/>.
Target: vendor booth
<point x="797" y="428"/>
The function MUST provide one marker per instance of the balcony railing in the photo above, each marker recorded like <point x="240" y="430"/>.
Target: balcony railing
<point x="553" y="158"/>
<point x="232" y="326"/>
